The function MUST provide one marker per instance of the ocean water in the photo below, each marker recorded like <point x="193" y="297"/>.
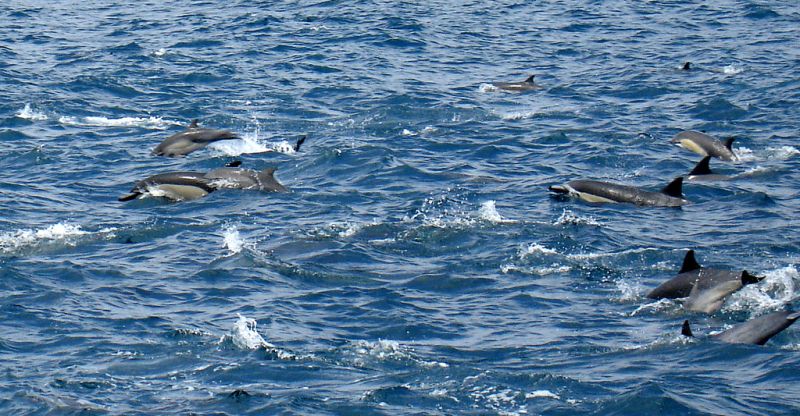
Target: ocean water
<point x="418" y="265"/>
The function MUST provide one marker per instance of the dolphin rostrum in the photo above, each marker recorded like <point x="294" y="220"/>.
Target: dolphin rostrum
<point x="705" y="145"/>
<point x="193" y="138"/>
<point x="526" y="85"/>
<point x="597" y="191"/>
<point x="755" y="331"/>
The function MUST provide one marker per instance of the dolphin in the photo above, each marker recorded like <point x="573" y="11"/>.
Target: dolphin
<point x="687" y="66"/>
<point x="177" y="186"/>
<point x="596" y="191"/>
<point x="705" y="287"/>
<point x="755" y="331"/>
<point x="232" y="176"/>
<point x="705" y="145"/>
<point x="526" y="85"/>
<point x="702" y="172"/>
<point x="193" y="138"/>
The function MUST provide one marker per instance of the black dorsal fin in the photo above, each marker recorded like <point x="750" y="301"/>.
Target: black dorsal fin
<point x="702" y="167"/>
<point x="748" y="279"/>
<point x="193" y="124"/>
<point x="686" y="330"/>
<point x="233" y="164"/>
<point x="530" y="79"/>
<point x="299" y="142"/>
<point x="729" y="143"/>
<point x="689" y="263"/>
<point x="687" y="66"/>
<point x="675" y="188"/>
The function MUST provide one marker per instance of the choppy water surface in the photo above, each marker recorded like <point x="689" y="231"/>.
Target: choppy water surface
<point x="419" y="265"/>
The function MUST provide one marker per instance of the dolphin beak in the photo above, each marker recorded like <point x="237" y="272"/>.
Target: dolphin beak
<point x="129" y="197"/>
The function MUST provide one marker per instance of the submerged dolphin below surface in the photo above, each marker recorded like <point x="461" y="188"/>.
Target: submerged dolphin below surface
<point x="184" y="186"/>
<point x="597" y="191"/>
<point x="706" y="288"/>
<point x="705" y="145"/>
<point x="755" y="331"/>
<point x="193" y="138"/>
<point x="526" y="85"/>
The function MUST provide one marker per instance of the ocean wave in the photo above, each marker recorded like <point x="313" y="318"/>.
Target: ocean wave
<point x="60" y="233"/>
<point x="151" y="122"/>
<point x="243" y="335"/>
<point x="29" y="113"/>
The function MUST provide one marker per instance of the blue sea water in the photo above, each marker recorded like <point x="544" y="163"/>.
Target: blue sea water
<point x="418" y="265"/>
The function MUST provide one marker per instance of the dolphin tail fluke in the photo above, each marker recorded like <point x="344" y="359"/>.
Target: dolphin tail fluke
<point x="558" y="189"/>
<point x="686" y="330"/>
<point x="233" y="164"/>
<point x="675" y="188"/>
<point x="529" y="80"/>
<point x="267" y="181"/>
<point x="729" y="143"/>
<point x="689" y="263"/>
<point x="702" y="167"/>
<point x="194" y="124"/>
<point x="749" y="279"/>
<point x="299" y="142"/>
<point x="130" y="197"/>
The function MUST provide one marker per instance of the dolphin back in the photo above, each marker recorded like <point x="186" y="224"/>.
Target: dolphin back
<point x="267" y="181"/>
<point x="759" y="330"/>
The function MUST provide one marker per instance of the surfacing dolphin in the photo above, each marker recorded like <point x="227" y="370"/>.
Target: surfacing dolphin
<point x="706" y="288"/>
<point x="705" y="145"/>
<point x="702" y="172"/>
<point x="232" y="176"/>
<point x="176" y="186"/>
<point x="597" y="191"/>
<point x="193" y="138"/>
<point x="526" y="85"/>
<point x="755" y="331"/>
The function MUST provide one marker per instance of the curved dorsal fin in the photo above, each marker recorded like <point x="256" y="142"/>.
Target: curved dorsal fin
<point x="729" y="143"/>
<point x="748" y="279"/>
<point x="530" y="79"/>
<point x="675" y="188"/>
<point x="299" y="142"/>
<point x="193" y="124"/>
<point x="687" y="66"/>
<point x="686" y="330"/>
<point x="689" y="263"/>
<point x="702" y="167"/>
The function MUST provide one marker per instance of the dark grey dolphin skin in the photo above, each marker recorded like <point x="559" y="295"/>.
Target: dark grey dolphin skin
<point x="705" y="287"/>
<point x="526" y="85"/>
<point x="193" y="138"/>
<point x="597" y="191"/>
<point x="705" y="145"/>
<point x="755" y="331"/>
<point x="235" y="177"/>
<point x="702" y="172"/>
<point x="177" y="186"/>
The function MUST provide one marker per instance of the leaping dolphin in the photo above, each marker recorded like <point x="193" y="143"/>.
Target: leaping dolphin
<point x="526" y="85"/>
<point x="705" y="145"/>
<point x="755" y="331"/>
<point x="193" y="138"/>
<point x="597" y="191"/>
<point x="177" y="186"/>
<point x="706" y="288"/>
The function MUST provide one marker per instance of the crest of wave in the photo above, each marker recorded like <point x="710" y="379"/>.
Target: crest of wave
<point x="30" y="114"/>
<point x="23" y="238"/>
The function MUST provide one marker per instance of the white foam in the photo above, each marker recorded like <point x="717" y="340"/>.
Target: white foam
<point x="778" y="288"/>
<point x="57" y="232"/>
<point x="244" y="335"/>
<point x="487" y="88"/>
<point x="770" y="153"/>
<point x="488" y="212"/>
<point x="407" y="132"/>
<point x="29" y="114"/>
<point x="233" y="240"/>
<point x="570" y="218"/>
<point x="592" y="256"/>
<point x="628" y="290"/>
<point x="542" y="393"/>
<point x="151" y="122"/>
<point x="659" y="305"/>
<point x="250" y="143"/>
<point x="554" y="268"/>
<point x="160" y="52"/>
<point x="732" y="69"/>
<point x="536" y="248"/>
<point x="519" y="115"/>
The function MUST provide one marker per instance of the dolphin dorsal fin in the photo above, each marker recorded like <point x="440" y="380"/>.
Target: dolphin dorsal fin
<point x="686" y="330"/>
<point x="689" y="263"/>
<point x="687" y="66"/>
<point x="193" y="124"/>
<point x="675" y="188"/>
<point x="702" y="167"/>
<point x="530" y="79"/>
<point x="300" y="141"/>
<point x="729" y="143"/>
<point x="748" y="279"/>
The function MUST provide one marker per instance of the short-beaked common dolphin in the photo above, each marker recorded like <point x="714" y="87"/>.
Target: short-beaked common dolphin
<point x="706" y="288"/>
<point x="193" y="138"/>
<point x="526" y="85"/>
<point x="597" y="191"/>
<point x="755" y="331"/>
<point x="705" y="145"/>
<point x="177" y="186"/>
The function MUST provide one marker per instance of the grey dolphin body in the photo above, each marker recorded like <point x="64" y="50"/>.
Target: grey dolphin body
<point x="755" y="331"/>
<point x="597" y="191"/>
<point x="234" y="177"/>
<point x="705" y="145"/>
<point x="194" y="138"/>
<point x="706" y="288"/>
<point x="177" y="186"/>
<point x="526" y="85"/>
<point x="702" y="172"/>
